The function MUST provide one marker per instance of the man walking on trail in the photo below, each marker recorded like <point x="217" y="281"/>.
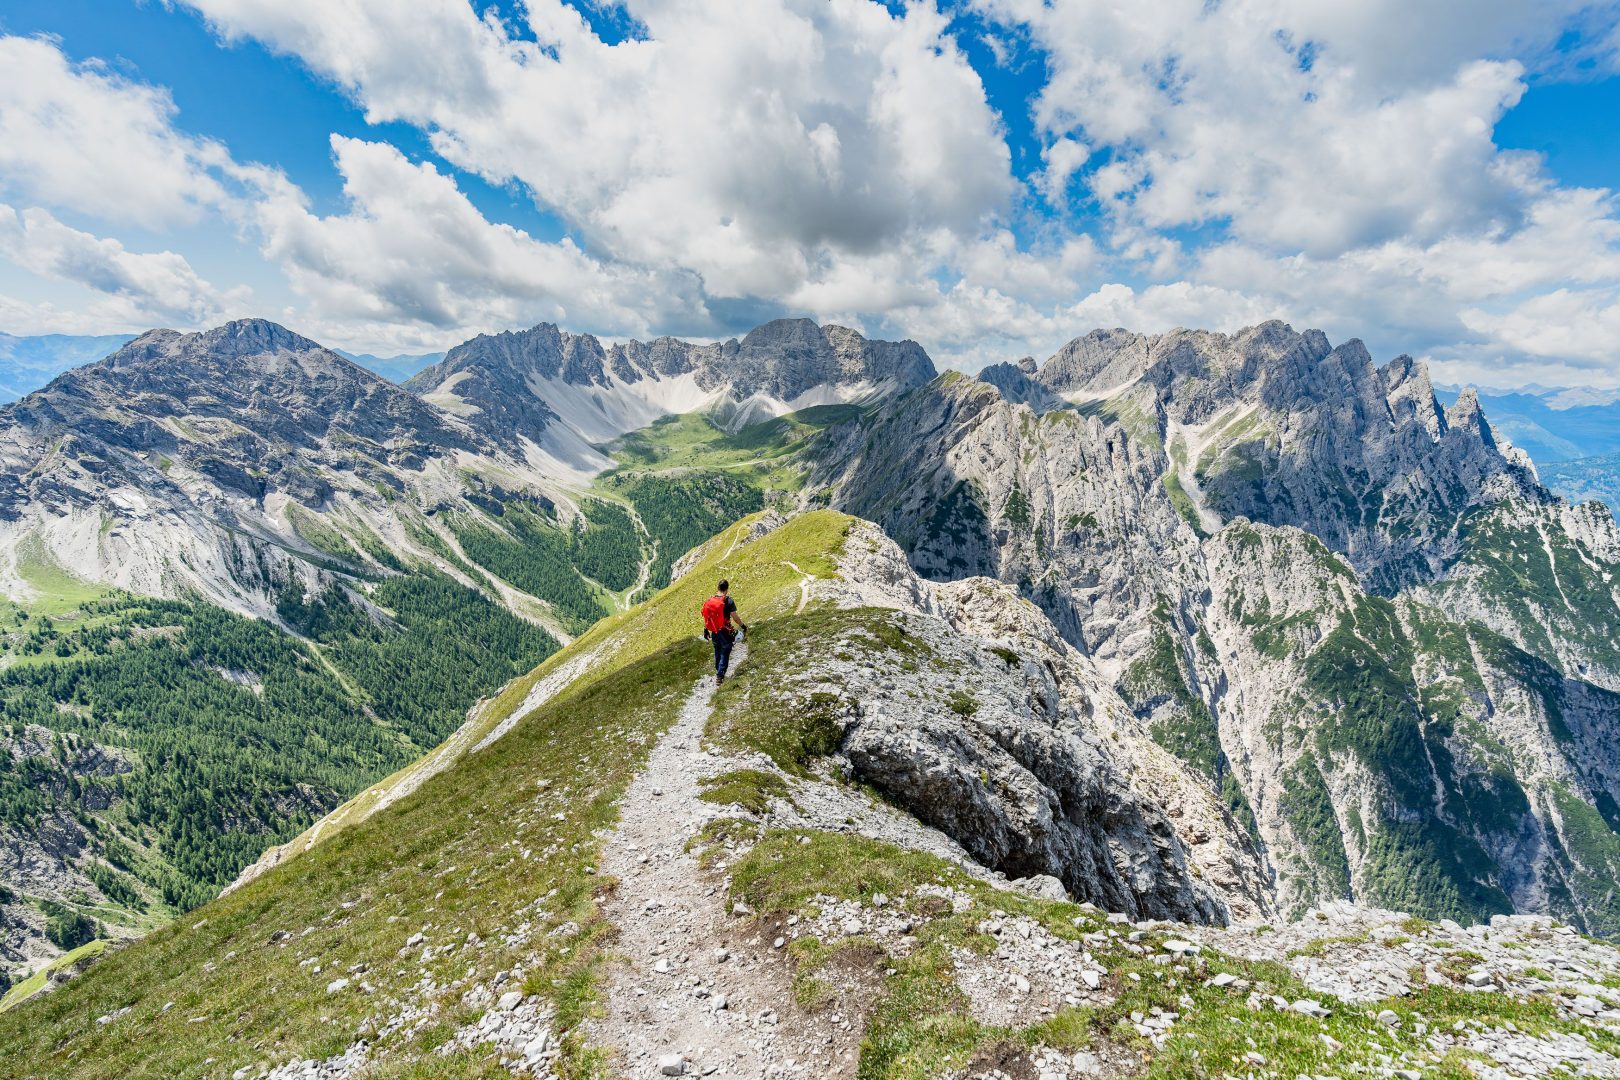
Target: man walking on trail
<point x="719" y="612"/>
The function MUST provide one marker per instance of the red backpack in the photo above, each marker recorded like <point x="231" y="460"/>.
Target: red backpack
<point x="714" y="614"/>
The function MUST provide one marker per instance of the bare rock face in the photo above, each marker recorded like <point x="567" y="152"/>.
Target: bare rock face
<point x="49" y="859"/>
<point x="1070" y="506"/>
<point x="1006" y="739"/>
<point x="184" y="463"/>
<point x="1282" y="427"/>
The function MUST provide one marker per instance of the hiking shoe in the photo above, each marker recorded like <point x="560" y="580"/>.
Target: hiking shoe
<point x="720" y="678"/>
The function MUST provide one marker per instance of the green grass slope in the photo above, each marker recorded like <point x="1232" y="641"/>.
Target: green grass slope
<point x="688" y="478"/>
<point x="502" y="839"/>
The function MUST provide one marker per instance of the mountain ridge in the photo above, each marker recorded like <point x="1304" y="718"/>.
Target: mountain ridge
<point x="763" y="894"/>
<point x="569" y="393"/>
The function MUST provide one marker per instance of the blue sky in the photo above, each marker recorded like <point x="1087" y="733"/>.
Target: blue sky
<point x="991" y="178"/>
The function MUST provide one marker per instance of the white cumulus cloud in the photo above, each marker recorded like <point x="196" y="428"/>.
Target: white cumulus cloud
<point x="1330" y="162"/>
<point x="140" y="288"/>
<point x="79" y="137"/>
<point x="753" y="144"/>
<point x="412" y="258"/>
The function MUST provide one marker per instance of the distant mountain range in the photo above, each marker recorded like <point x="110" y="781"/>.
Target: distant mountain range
<point x="1572" y="435"/>
<point x="1586" y="478"/>
<point x="28" y="363"/>
<point x="393" y="368"/>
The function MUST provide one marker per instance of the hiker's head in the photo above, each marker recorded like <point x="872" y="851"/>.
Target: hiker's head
<point x="724" y="585"/>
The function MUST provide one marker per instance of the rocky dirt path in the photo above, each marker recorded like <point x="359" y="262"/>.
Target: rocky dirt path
<point x="804" y="585"/>
<point x="698" y="991"/>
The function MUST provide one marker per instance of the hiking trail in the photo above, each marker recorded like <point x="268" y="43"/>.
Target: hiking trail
<point x="804" y="585"/>
<point x="693" y="980"/>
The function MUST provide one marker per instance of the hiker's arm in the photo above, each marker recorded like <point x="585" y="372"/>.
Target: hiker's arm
<point x="736" y="618"/>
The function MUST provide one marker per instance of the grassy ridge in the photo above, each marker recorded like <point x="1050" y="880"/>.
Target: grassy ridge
<point x="688" y="479"/>
<point x="448" y="860"/>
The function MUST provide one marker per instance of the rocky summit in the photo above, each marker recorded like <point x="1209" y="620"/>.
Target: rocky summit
<point x="1182" y="705"/>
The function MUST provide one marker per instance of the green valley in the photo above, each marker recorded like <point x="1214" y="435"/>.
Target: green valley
<point x="150" y="749"/>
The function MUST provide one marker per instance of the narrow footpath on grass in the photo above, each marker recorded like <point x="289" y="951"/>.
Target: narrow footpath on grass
<point x="697" y="988"/>
<point x="805" y="581"/>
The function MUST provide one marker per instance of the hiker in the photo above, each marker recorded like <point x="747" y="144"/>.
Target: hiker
<point x="719" y="612"/>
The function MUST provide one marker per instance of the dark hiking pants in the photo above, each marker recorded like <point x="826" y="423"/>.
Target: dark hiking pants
<point x="722" y="651"/>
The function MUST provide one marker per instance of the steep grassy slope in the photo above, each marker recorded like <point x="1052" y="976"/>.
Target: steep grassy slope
<point x="676" y="483"/>
<point x="500" y="844"/>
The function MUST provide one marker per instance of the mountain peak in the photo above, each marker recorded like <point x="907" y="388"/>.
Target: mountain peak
<point x="778" y="329"/>
<point x="1468" y="415"/>
<point x="240" y="339"/>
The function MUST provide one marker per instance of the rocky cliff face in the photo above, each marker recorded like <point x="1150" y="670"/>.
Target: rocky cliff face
<point x="1000" y="734"/>
<point x="1281" y="427"/>
<point x="49" y="859"/>
<point x="1355" y="613"/>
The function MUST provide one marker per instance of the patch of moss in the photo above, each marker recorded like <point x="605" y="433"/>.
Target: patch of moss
<point x="751" y="789"/>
